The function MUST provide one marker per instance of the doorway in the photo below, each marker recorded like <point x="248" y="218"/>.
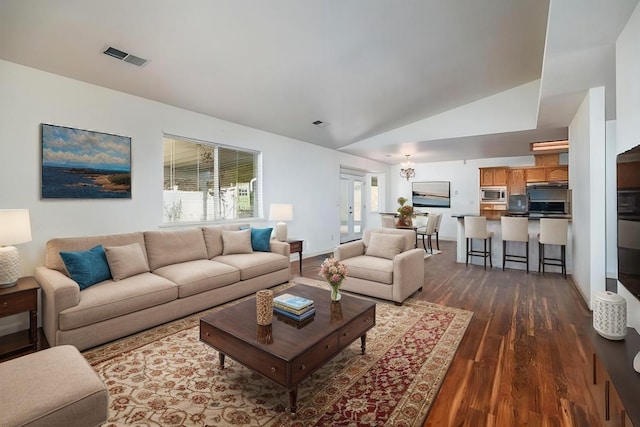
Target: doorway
<point x="352" y="206"/>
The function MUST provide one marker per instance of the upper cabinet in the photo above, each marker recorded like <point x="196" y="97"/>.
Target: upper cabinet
<point x="517" y="183"/>
<point x="493" y="177"/>
<point x="535" y="174"/>
<point x="547" y="173"/>
<point x="517" y="178"/>
<point x="557" y="173"/>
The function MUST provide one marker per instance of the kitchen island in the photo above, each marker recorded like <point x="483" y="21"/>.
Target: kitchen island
<point x="513" y="248"/>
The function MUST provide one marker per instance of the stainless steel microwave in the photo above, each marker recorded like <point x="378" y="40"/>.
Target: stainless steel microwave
<point x="493" y="194"/>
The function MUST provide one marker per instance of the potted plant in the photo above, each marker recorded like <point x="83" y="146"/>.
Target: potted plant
<point x="405" y="213"/>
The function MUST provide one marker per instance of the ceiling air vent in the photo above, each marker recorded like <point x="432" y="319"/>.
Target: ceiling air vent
<point x="320" y="123"/>
<point x="124" y="56"/>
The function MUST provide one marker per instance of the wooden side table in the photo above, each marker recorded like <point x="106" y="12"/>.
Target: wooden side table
<point x="296" y="246"/>
<point x="18" y="299"/>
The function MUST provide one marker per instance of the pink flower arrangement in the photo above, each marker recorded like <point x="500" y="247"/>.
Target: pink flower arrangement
<point x="405" y="210"/>
<point x="333" y="271"/>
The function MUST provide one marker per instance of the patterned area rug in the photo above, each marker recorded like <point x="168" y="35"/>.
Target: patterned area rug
<point x="166" y="377"/>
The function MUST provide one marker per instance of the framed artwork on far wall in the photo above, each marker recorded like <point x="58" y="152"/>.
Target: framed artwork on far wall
<point x="432" y="194"/>
<point x="83" y="164"/>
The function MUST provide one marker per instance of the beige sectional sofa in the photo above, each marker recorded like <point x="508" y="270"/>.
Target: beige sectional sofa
<point x="384" y="264"/>
<point x="186" y="271"/>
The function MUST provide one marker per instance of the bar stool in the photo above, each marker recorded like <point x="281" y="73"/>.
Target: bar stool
<point x="553" y="231"/>
<point x="475" y="227"/>
<point x="515" y="229"/>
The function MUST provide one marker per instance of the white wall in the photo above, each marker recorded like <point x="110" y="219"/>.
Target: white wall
<point x="587" y="181"/>
<point x="465" y="183"/>
<point x="294" y="172"/>
<point x="628" y="116"/>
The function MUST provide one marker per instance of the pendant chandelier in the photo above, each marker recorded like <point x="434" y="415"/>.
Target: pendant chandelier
<point x="407" y="168"/>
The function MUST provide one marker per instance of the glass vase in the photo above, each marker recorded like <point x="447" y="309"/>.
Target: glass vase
<point x="335" y="292"/>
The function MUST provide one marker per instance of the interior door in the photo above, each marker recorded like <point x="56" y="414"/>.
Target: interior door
<point x="352" y="207"/>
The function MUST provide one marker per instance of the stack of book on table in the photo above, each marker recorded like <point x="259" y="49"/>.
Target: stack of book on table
<point x="293" y="307"/>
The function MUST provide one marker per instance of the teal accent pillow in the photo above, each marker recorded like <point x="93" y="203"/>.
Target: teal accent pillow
<point x="260" y="238"/>
<point x="87" y="267"/>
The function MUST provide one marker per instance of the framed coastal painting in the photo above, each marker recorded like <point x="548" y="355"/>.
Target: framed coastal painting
<point x="83" y="164"/>
<point x="435" y="194"/>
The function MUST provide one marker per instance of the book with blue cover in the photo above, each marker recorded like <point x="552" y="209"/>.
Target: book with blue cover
<point x="295" y="317"/>
<point x="292" y="310"/>
<point x="292" y="301"/>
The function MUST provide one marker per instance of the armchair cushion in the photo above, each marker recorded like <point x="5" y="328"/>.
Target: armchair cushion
<point x="370" y="268"/>
<point x="385" y="245"/>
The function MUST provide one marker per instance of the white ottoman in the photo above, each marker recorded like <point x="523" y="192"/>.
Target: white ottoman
<point x="53" y="387"/>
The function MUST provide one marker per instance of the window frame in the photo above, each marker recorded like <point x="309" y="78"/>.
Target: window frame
<point x="257" y="211"/>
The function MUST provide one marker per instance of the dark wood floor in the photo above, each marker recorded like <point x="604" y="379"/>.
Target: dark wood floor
<point x="524" y="356"/>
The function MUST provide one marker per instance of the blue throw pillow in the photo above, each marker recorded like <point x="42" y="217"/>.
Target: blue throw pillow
<point x="87" y="267"/>
<point x="260" y="238"/>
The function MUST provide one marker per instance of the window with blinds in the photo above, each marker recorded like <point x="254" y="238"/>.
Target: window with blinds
<point x="204" y="181"/>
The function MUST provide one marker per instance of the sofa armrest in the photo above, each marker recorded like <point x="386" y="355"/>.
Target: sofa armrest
<point x="349" y="250"/>
<point x="408" y="273"/>
<point x="279" y="247"/>
<point x="58" y="293"/>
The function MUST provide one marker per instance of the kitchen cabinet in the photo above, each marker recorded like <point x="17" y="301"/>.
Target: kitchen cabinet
<point x="493" y="210"/>
<point x="517" y="183"/>
<point x="493" y="177"/>
<point x="557" y="173"/>
<point x="547" y="159"/>
<point x="537" y="174"/>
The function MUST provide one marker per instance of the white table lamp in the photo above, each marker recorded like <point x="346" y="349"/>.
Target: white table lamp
<point x="15" y="228"/>
<point x="281" y="212"/>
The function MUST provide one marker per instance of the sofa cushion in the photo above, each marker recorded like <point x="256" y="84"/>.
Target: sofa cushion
<point x="236" y="242"/>
<point x="213" y="237"/>
<point x="260" y="238"/>
<point x="111" y="299"/>
<point x="175" y="246"/>
<point x="125" y="261"/>
<point x="87" y="267"/>
<point x="53" y="260"/>
<point x="370" y="268"/>
<point x="385" y="245"/>
<point x="255" y="264"/>
<point x="198" y="276"/>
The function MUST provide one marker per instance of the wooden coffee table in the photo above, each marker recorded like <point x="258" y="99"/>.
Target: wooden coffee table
<point x="288" y="352"/>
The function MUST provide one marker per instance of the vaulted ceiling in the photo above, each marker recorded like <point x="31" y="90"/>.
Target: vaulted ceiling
<point x="439" y="80"/>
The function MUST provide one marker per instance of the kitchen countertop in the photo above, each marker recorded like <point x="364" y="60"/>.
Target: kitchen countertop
<point x="532" y="217"/>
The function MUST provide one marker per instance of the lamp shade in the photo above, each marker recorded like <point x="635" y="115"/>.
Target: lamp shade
<point x="280" y="212"/>
<point x="15" y="226"/>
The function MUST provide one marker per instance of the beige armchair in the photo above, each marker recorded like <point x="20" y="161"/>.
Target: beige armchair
<point x="384" y="264"/>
